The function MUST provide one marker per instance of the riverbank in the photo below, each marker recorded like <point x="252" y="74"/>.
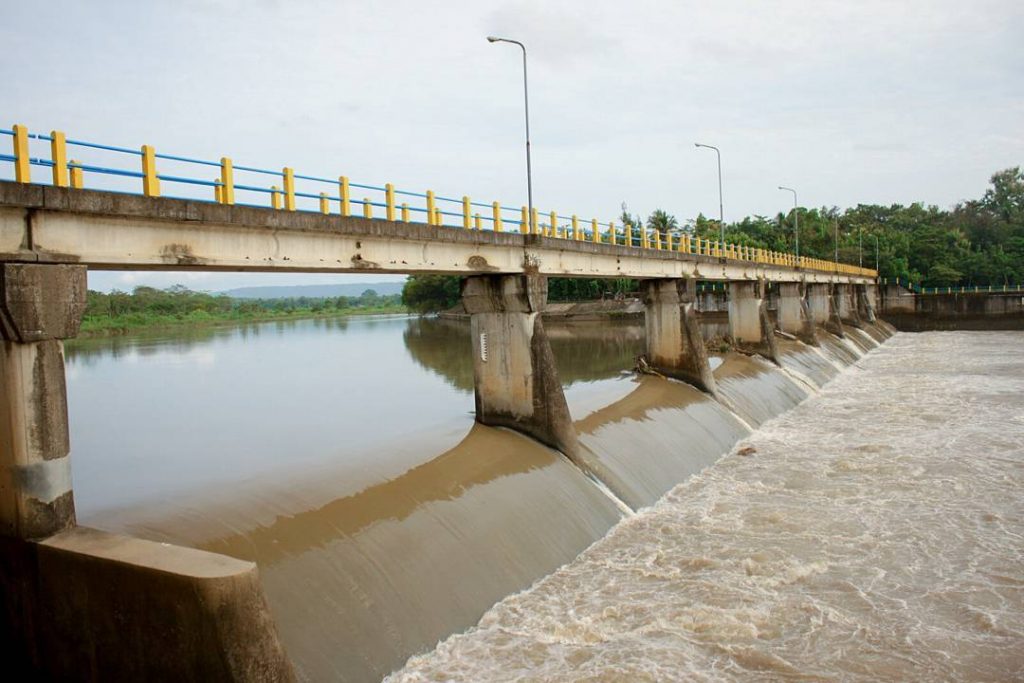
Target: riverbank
<point x="110" y="326"/>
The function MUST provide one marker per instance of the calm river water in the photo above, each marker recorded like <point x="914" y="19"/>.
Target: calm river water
<point x="875" y="533"/>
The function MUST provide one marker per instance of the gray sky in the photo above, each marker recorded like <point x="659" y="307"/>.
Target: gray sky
<point x="850" y="102"/>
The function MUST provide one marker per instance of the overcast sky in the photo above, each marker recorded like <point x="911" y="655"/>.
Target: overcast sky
<point x="866" y="101"/>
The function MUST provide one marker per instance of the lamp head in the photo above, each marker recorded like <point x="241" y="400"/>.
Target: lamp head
<point x="492" y="39"/>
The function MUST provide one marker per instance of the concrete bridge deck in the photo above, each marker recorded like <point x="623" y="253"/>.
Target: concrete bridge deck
<point x="116" y="231"/>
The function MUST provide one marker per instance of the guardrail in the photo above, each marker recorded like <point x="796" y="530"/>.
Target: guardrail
<point x="243" y="185"/>
<point x="963" y="289"/>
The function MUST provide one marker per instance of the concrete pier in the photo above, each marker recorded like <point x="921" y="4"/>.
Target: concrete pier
<point x="847" y="305"/>
<point x="40" y="305"/>
<point x="515" y="379"/>
<point x="793" y="313"/>
<point x="749" y="325"/>
<point x="675" y="347"/>
<point x="867" y="302"/>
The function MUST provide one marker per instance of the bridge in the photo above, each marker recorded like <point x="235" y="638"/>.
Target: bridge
<point x="51" y="233"/>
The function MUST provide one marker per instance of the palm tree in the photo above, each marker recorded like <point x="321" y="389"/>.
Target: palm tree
<point x="662" y="222"/>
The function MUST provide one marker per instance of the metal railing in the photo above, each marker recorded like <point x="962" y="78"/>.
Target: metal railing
<point x="961" y="289"/>
<point x="250" y="186"/>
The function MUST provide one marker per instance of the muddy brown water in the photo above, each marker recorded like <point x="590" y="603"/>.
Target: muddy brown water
<point x="342" y="458"/>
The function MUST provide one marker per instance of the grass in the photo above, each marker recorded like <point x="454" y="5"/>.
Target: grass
<point x="106" y="325"/>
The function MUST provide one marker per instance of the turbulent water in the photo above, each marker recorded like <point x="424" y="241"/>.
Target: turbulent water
<point x="874" y="532"/>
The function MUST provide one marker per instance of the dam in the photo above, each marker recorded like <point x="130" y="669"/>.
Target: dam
<point x="381" y="486"/>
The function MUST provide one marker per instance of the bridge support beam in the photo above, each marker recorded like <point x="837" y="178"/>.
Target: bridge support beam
<point x="514" y="374"/>
<point x="675" y="346"/>
<point x="847" y="304"/>
<point x="749" y="324"/>
<point x="40" y="305"/>
<point x="793" y="313"/>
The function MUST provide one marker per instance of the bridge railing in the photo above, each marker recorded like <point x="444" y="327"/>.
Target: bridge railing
<point x="917" y="288"/>
<point x="123" y="169"/>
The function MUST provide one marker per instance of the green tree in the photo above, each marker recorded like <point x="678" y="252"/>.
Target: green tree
<point x="431" y="293"/>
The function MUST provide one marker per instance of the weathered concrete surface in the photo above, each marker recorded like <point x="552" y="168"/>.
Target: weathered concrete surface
<point x="793" y="313"/>
<point x="515" y="378"/>
<point x="819" y="303"/>
<point x="109" y="230"/>
<point x="846" y="304"/>
<point x="675" y="347"/>
<point x="85" y="605"/>
<point x="952" y="311"/>
<point x="866" y="297"/>
<point x="39" y="306"/>
<point x="750" y="327"/>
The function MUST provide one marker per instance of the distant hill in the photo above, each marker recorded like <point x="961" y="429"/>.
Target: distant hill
<point x="314" y="291"/>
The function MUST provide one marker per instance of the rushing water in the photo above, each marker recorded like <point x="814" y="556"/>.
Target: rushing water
<point x="874" y="532"/>
<point x="342" y="458"/>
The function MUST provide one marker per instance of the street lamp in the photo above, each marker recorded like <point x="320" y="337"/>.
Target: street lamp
<point x="526" y="100"/>
<point x="796" y="219"/>
<point x="860" y="246"/>
<point x="835" y="222"/>
<point x="875" y="237"/>
<point x="721" y="213"/>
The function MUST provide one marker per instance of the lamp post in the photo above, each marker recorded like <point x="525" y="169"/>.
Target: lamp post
<point x="721" y="213"/>
<point x="796" y="219"/>
<point x="860" y="246"/>
<point x="526" y="101"/>
<point x="875" y="237"/>
<point x="835" y="222"/>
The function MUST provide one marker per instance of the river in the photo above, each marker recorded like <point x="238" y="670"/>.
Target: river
<point x="341" y="456"/>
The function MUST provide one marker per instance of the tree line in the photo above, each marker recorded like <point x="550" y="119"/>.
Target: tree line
<point x="976" y="242"/>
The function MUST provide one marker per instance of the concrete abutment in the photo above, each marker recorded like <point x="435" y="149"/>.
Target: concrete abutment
<point x="794" y="316"/>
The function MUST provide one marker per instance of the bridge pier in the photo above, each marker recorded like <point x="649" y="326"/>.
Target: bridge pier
<point x="847" y="306"/>
<point x="514" y="374"/>
<point x="40" y="306"/>
<point x="867" y="296"/>
<point x="675" y="346"/>
<point x="749" y="324"/>
<point x="793" y="313"/>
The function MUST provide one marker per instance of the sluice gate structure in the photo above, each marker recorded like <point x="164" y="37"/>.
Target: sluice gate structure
<point x="82" y="603"/>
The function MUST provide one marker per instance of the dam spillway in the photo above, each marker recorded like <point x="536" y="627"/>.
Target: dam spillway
<point x="387" y="530"/>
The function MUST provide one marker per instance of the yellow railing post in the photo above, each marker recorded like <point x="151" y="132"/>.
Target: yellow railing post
<point x="59" y="156"/>
<point x="346" y="202"/>
<point x="467" y="219"/>
<point x="431" y="208"/>
<point x="227" y="179"/>
<point x="644" y="238"/>
<point x="612" y="239"/>
<point x="595" y="236"/>
<point x="389" y="194"/>
<point x="668" y="241"/>
<point x="476" y="222"/>
<point x="554" y="225"/>
<point x="289" y="188"/>
<point x="534" y="225"/>
<point x="684" y="244"/>
<point x="367" y="208"/>
<point x="77" y="179"/>
<point x="575" y="227"/>
<point x="438" y="218"/>
<point x="22" y="165"/>
<point x="150" y="183"/>
<point x="218" y="191"/>
<point x="275" y="197"/>
<point x="525" y="222"/>
<point x="657" y="239"/>
<point x="405" y="212"/>
<point x="325" y="204"/>
<point x="496" y="208"/>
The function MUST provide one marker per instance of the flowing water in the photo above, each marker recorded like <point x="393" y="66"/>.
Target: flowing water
<point x="873" y="532"/>
<point x="341" y="457"/>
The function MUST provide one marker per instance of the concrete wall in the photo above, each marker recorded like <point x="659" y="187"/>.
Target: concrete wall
<point x="975" y="311"/>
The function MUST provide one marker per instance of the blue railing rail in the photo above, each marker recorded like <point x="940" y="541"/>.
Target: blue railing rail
<point x="244" y="185"/>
